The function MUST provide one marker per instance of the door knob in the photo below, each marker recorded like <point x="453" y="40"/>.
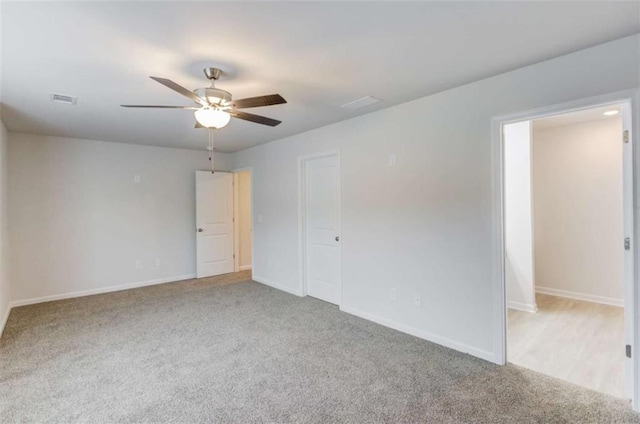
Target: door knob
<point x="337" y="238"/>
<point x="200" y="230"/>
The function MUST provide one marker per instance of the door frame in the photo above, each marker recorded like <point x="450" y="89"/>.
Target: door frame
<point x="631" y="121"/>
<point x="236" y="232"/>
<point x="302" y="213"/>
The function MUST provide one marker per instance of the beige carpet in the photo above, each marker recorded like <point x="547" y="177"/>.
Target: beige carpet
<point x="215" y="351"/>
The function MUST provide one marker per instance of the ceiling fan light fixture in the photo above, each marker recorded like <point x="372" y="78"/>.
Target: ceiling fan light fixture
<point x="212" y="118"/>
<point x="215" y="107"/>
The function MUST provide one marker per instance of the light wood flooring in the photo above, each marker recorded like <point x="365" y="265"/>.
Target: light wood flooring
<point x="579" y="342"/>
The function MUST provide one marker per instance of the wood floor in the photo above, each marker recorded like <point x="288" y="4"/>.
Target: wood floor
<point x="579" y="342"/>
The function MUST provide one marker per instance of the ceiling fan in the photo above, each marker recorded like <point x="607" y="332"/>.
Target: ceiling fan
<point x="215" y="106"/>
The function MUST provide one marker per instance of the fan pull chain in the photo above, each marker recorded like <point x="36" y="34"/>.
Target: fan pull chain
<point x="211" y="155"/>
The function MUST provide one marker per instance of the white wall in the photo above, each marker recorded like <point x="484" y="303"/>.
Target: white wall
<point x="79" y="222"/>
<point x="578" y="210"/>
<point x="5" y="294"/>
<point x="244" y="221"/>
<point x="425" y="225"/>
<point x="518" y="217"/>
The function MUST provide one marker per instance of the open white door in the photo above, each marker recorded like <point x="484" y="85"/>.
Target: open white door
<point x="214" y="223"/>
<point x="322" y="223"/>
<point x="629" y="236"/>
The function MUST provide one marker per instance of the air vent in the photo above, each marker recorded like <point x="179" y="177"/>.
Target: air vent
<point x="360" y="103"/>
<point x="63" y="98"/>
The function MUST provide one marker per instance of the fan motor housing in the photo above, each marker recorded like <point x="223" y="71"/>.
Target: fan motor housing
<point x="215" y="96"/>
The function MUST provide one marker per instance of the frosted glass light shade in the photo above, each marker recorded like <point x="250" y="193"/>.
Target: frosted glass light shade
<point x="212" y="118"/>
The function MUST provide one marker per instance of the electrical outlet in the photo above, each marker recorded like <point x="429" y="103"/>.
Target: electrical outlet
<point x="157" y="262"/>
<point x="392" y="159"/>
<point x="393" y="295"/>
<point x="417" y="300"/>
<point x="136" y="179"/>
<point x="138" y="264"/>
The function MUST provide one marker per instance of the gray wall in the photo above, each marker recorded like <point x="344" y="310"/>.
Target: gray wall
<point x="79" y="222"/>
<point x="424" y="226"/>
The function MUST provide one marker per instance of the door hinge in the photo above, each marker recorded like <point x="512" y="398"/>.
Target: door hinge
<point x="625" y="136"/>
<point x="627" y="351"/>
<point x="627" y="243"/>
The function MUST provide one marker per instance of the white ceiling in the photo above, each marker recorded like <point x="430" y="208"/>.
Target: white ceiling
<point x="318" y="55"/>
<point x="570" y="118"/>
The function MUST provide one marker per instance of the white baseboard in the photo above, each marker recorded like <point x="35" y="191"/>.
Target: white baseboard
<point x="461" y="347"/>
<point x="581" y="296"/>
<point x="443" y="341"/>
<point x="101" y="290"/>
<point x="3" y="323"/>
<point x="244" y="267"/>
<point x="277" y="286"/>
<point x="526" y="307"/>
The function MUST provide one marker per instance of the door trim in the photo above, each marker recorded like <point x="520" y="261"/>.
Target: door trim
<point x="236" y="230"/>
<point x="631" y="100"/>
<point x="302" y="212"/>
<point x="236" y="233"/>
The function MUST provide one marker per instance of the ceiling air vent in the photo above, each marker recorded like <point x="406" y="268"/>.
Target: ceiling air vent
<point x="361" y="102"/>
<point x="63" y="98"/>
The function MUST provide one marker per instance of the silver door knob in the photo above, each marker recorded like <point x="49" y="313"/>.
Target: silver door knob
<point x="200" y="230"/>
<point x="337" y="238"/>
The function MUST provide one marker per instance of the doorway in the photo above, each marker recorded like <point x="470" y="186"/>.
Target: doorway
<point x="568" y="276"/>
<point x="320" y="220"/>
<point x="243" y="221"/>
<point x="224" y="223"/>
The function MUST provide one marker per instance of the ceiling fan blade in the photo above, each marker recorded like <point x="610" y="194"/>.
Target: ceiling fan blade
<point x="255" y="118"/>
<point x="164" y="107"/>
<point x="271" y="99"/>
<point x="180" y="89"/>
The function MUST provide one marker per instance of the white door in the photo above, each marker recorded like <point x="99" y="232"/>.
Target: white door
<point x="629" y="277"/>
<point x="214" y="223"/>
<point x="322" y="225"/>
